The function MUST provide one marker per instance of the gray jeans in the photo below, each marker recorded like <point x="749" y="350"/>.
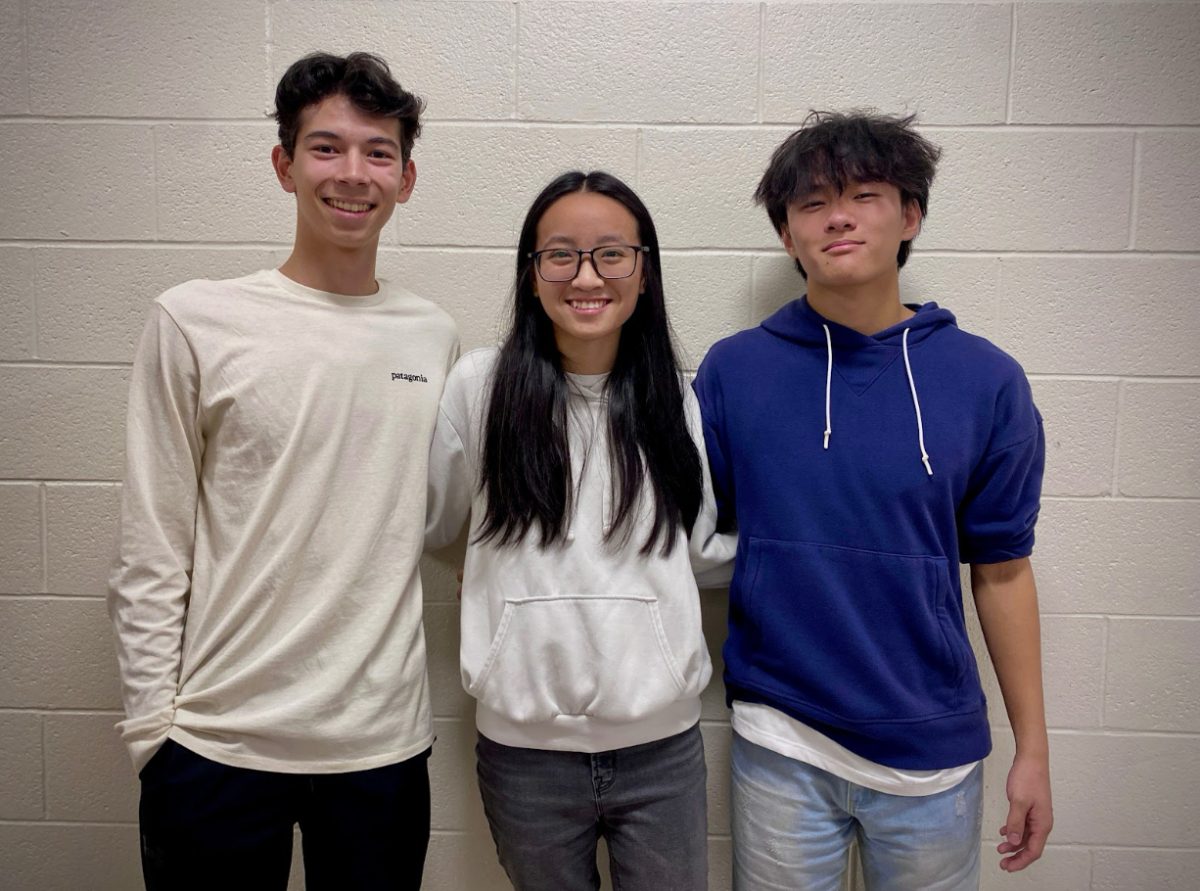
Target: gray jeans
<point x="548" y="810"/>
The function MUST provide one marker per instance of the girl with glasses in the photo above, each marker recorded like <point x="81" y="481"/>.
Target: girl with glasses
<point x="576" y="451"/>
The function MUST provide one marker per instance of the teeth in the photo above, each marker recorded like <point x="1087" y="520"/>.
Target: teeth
<point x="588" y="304"/>
<point x="348" y="205"/>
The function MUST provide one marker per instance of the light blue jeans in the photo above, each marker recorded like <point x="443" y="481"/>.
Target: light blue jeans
<point x="793" y="824"/>
<point x="547" y="811"/>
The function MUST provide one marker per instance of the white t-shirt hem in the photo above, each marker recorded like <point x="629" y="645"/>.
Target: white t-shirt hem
<point x="784" y="735"/>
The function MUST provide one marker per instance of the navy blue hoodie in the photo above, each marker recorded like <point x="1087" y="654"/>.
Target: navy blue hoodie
<point x="846" y="608"/>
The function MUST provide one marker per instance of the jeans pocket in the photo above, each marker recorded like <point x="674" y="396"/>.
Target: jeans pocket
<point x="156" y="767"/>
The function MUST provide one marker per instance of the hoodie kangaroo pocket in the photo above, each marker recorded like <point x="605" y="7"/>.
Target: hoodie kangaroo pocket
<point x="604" y="657"/>
<point x="861" y="635"/>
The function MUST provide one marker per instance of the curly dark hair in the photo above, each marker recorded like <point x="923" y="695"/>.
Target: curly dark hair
<point x="363" y="78"/>
<point x="834" y="148"/>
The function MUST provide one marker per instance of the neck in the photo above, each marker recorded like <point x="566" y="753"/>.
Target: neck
<point x="335" y="270"/>
<point x="867" y="309"/>
<point x="589" y="357"/>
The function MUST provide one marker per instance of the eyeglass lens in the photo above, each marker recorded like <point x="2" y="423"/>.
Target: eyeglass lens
<point x="610" y="261"/>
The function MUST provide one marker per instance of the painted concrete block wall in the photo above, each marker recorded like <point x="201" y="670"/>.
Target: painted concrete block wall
<point x="134" y="154"/>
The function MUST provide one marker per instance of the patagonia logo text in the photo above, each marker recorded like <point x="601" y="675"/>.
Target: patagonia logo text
<point x="413" y="378"/>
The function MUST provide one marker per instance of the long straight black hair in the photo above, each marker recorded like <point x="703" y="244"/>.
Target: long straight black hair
<point x="526" y="461"/>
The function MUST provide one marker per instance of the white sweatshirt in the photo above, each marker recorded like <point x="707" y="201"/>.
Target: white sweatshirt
<point x="266" y="596"/>
<point x="582" y="646"/>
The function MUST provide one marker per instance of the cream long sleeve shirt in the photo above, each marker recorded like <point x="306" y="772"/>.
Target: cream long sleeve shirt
<point x="266" y="597"/>
<point x="585" y="645"/>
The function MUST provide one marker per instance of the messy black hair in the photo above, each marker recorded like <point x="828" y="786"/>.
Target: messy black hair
<point x="835" y="148"/>
<point x="363" y="78"/>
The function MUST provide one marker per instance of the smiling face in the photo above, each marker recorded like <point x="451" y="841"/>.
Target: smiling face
<point x="588" y="311"/>
<point x="347" y="176"/>
<point x="850" y="239"/>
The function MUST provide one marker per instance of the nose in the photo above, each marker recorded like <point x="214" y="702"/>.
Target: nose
<point x="353" y="169"/>
<point x="587" y="277"/>
<point x="841" y="215"/>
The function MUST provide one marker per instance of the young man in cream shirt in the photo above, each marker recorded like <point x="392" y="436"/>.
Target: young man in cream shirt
<point x="266" y="597"/>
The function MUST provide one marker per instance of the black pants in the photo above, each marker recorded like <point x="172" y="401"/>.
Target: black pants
<point x="209" y="826"/>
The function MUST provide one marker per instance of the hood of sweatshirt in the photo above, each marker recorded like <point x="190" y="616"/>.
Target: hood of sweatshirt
<point x="860" y="358"/>
<point x="588" y="386"/>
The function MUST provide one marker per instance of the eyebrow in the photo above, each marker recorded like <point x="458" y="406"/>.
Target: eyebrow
<point x="329" y="134"/>
<point x="602" y="240"/>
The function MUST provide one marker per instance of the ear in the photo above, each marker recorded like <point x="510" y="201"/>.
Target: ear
<point x="408" y="179"/>
<point x="912" y="220"/>
<point x="282" y="162"/>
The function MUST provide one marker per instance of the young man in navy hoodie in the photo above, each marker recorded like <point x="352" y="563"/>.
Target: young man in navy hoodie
<point x="864" y="448"/>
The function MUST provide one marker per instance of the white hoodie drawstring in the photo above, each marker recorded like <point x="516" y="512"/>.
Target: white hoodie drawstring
<point x="912" y="388"/>
<point x="828" y="378"/>
<point x="916" y="404"/>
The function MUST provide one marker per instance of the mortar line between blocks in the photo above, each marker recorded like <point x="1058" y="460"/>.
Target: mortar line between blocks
<point x="1121" y="617"/>
<point x="771" y="249"/>
<point x="155" y="174"/>
<point x="515" y="112"/>
<point x="638" y="158"/>
<point x="28" y="84"/>
<point x="42" y="522"/>
<point x="268" y="46"/>
<point x="68" y="824"/>
<point x="1115" y="378"/>
<point x="1133" y="189"/>
<point x="33" y="295"/>
<point x="45" y="770"/>
<point x="59" y="364"/>
<point x="51" y="598"/>
<point x="766" y="124"/>
<point x="1122" y="499"/>
<point x="762" y="30"/>
<point x="1126" y="733"/>
<point x="43" y="711"/>
<point x="16" y="481"/>
<point x="1094" y="846"/>
<point x="1104" y="641"/>
<point x="1012" y="62"/>
<point x="752" y="303"/>
<point x="1114" y="485"/>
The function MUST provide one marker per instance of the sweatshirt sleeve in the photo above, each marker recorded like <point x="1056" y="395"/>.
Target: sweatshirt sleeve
<point x="708" y="395"/>
<point x="1000" y="510"/>
<point x="149" y="585"/>
<point x="451" y="478"/>
<point x="711" y="552"/>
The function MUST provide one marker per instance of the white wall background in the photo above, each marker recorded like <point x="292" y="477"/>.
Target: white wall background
<point x="1064" y="225"/>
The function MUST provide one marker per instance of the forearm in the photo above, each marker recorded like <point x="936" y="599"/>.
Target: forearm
<point x="148" y="610"/>
<point x="147" y="601"/>
<point x="1006" y="601"/>
<point x="151" y="581"/>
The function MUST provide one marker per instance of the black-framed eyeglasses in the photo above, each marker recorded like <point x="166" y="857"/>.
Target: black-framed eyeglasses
<point x="561" y="264"/>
